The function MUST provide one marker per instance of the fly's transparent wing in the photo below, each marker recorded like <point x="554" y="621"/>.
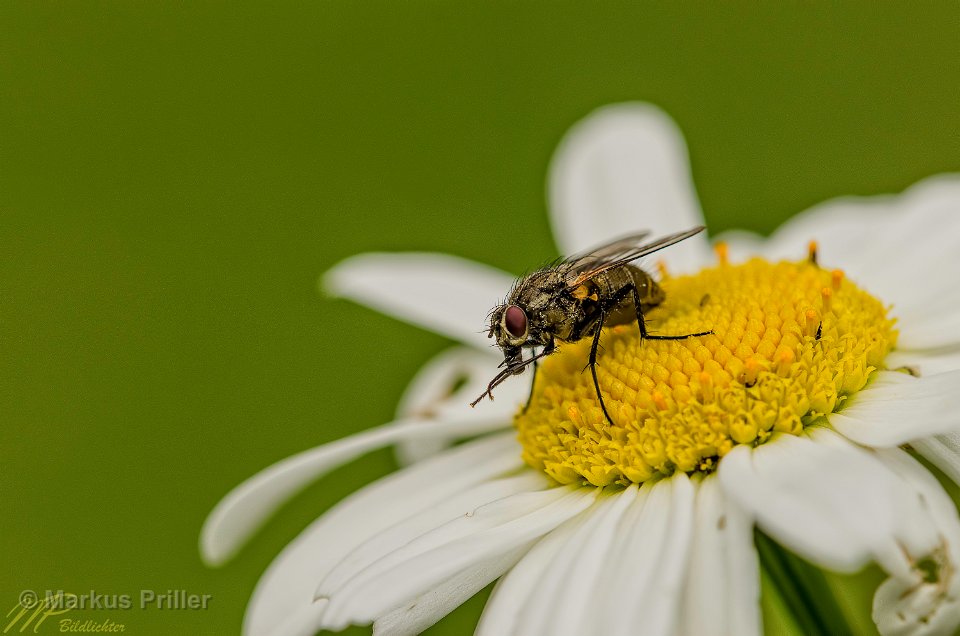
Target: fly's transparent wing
<point x="580" y="268"/>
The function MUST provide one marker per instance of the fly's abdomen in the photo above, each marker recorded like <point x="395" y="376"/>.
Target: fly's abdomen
<point x="649" y="292"/>
<point x="616" y="283"/>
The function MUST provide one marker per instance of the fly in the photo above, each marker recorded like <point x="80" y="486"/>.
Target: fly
<point x="575" y="299"/>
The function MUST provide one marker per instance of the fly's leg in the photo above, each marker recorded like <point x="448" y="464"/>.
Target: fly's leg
<point x="533" y="383"/>
<point x="604" y="309"/>
<point x="643" y="335"/>
<point x="643" y="326"/>
<point x="593" y="363"/>
<point x="547" y="350"/>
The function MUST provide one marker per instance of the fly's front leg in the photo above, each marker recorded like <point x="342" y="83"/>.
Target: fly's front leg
<point x="593" y="363"/>
<point x="547" y="350"/>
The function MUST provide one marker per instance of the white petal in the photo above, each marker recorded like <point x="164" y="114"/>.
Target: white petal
<point x="444" y="389"/>
<point x="858" y="233"/>
<point x="897" y="408"/>
<point x="861" y="235"/>
<point x="840" y="505"/>
<point x="742" y="245"/>
<point x="841" y="228"/>
<point x="943" y="451"/>
<point x="924" y="363"/>
<point x="467" y="542"/>
<point x="928" y="224"/>
<point x="563" y="601"/>
<point x="622" y="169"/>
<point x="511" y="594"/>
<point x="299" y="622"/>
<point x="426" y="609"/>
<point x="914" y="605"/>
<point x="248" y="505"/>
<point x="826" y="499"/>
<point x="722" y="593"/>
<point x="932" y="331"/>
<point x="648" y="565"/>
<point x="395" y="537"/>
<point x="442" y="293"/>
<point x="289" y="583"/>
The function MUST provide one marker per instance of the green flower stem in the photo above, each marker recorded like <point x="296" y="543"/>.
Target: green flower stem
<point x="803" y="589"/>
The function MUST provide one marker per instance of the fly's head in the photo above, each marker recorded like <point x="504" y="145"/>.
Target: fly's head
<point x="510" y="329"/>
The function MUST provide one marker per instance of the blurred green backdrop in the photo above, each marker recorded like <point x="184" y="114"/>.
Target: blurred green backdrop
<point x="174" y="178"/>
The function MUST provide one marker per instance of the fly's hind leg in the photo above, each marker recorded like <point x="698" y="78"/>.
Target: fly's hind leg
<point x="643" y="326"/>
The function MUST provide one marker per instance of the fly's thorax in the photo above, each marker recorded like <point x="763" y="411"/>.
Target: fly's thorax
<point x="537" y="291"/>
<point x="544" y="298"/>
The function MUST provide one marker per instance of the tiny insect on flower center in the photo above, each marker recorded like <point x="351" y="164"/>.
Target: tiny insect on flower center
<point x="791" y="341"/>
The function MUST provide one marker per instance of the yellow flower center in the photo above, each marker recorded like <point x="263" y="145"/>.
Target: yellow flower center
<point x="790" y="342"/>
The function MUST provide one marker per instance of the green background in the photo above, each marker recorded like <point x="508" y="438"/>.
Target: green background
<point x="173" y="179"/>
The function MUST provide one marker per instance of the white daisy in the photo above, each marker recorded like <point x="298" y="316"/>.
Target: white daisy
<point x="793" y="417"/>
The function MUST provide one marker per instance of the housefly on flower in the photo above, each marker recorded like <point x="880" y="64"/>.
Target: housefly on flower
<point x="576" y="298"/>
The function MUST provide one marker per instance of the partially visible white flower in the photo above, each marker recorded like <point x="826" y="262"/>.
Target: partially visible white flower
<point x="670" y="555"/>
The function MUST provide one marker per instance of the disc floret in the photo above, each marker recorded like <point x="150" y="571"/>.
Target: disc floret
<point x="790" y="342"/>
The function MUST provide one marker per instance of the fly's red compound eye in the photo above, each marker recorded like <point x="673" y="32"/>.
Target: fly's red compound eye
<point x="515" y="321"/>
